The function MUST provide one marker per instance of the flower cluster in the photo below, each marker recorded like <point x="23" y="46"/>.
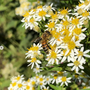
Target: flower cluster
<point x="24" y="6"/>
<point x="67" y="31"/>
<point x="18" y="83"/>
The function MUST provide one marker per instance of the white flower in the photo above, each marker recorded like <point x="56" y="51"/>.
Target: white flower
<point x="64" y="80"/>
<point x="34" y="61"/>
<point x="82" y="53"/>
<point x="34" y="51"/>
<point x="76" y="63"/>
<point x="37" y="69"/>
<point x="54" y="56"/>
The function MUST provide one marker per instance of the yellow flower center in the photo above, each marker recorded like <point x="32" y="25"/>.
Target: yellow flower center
<point x="55" y="77"/>
<point x="14" y="84"/>
<point x="80" y="53"/>
<point x="38" y="7"/>
<point x="77" y="31"/>
<point x="32" y="20"/>
<point x="54" y="16"/>
<point x="66" y="39"/>
<point x="85" y="14"/>
<point x="18" y="78"/>
<point x="33" y="82"/>
<point x="53" y="54"/>
<point x="60" y="73"/>
<point x="27" y="87"/>
<point x="26" y="14"/>
<point x="19" y="85"/>
<point x="35" y="48"/>
<point x="65" y="31"/>
<point x="65" y="23"/>
<point x="76" y="63"/>
<point x="71" y="45"/>
<point x="64" y="79"/>
<point x="75" y="21"/>
<point x="51" y="25"/>
<point x="41" y="79"/>
<point x="33" y="60"/>
<point x="42" y="13"/>
<point x="86" y="2"/>
<point x="64" y="12"/>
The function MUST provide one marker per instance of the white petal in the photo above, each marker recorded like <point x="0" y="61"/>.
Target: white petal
<point x="87" y="55"/>
<point x="86" y="51"/>
<point x="70" y="64"/>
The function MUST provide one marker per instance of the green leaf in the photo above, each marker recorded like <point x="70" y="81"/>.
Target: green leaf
<point x="85" y="89"/>
<point x="38" y="87"/>
<point x="11" y="24"/>
<point x="56" y="69"/>
<point x="2" y="8"/>
<point x="57" y="87"/>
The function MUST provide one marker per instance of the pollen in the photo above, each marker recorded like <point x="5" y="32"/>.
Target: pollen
<point x="64" y="79"/>
<point x="53" y="54"/>
<point x="39" y="7"/>
<point x="42" y="13"/>
<point x="75" y="21"/>
<point x="33" y="60"/>
<point x="71" y="45"/>
<point x="76" y="63"/>
<point x="19" y="85"/>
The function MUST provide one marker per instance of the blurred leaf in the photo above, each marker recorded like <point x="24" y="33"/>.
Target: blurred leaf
<point x="2" y="8"/>
<point x="85" y="89"/>
<point x="4" y="82"/>
<point x="56" y="69"/>
<point x="57" y="87"/>
<point x="38" y="87"/>
<point x="12" y="48"/>
<point x="11" y="24"/>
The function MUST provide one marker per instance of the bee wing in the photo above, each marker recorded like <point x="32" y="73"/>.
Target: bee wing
<point x="37" y="40"/>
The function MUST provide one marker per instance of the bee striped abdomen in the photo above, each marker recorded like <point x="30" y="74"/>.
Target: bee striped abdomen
<point x="45" y="46"/>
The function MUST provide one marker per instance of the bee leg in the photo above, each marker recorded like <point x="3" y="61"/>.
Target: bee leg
<point x="48" y="46"/>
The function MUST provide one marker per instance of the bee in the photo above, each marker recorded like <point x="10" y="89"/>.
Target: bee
<point x="44" y="40"/>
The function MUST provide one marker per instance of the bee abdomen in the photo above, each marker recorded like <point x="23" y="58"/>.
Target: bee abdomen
<point x="45" y="47"/>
